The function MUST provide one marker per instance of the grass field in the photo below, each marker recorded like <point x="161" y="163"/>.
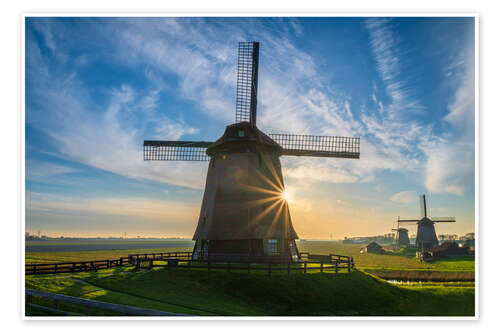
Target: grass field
<point x="404" y="259"/>
<point x="400" y="265"/>
<point x="235" y="294"/>
<point x="76" y="245"/>
<point x="47" y="257"/>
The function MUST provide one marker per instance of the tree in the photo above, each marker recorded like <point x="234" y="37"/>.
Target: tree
<point x="470" y="235"/>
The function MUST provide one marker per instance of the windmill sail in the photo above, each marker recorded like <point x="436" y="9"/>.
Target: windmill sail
<point x="246" y="89"/>
<point x="176" y="150"/>
<point x="443" y="219"/>
<point x="423" y="206"/>
<point x="318" y="146"/>
<point x="408" y="220"/>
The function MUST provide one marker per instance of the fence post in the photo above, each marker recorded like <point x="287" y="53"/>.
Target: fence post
<point x="107" y="264"/>
<point x="121" y="261"/>
<point x="137" y="264"/>
<point x="270" y="269"/>
<point x="34" y="269"/>
<point x="73" y="267"/>
<point x="55" y="268"/>
<point x="150" y="264"/>
<point x="288" y="268"/>
<point x="349" y="265"/>
<point x="321" y="267"/>
<point x="305" y="267"/>
<point x="336" y="266"/>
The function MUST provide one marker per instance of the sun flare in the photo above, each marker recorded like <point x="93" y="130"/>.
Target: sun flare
<point x="286" y="196"/>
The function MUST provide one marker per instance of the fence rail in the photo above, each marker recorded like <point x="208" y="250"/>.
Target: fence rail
<point x="87" y="303"/>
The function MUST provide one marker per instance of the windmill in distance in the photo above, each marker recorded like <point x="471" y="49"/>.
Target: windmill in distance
<point x="402" y="236"/>
<point x="426" y="233"/>
<point x="244" y="213"/>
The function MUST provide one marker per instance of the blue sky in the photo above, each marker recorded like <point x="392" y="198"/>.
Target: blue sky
<point x="97" y="87"/>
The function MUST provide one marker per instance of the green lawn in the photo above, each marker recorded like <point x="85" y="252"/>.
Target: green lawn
<point x="235" y="294"/>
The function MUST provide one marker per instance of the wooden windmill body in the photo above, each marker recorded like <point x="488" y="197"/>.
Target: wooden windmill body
<point x="402" y="238"/>
<point x="244" y="215"/>
<point x="426" y="232"/>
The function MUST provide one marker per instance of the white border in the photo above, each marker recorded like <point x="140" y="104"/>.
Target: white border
<point x="266" y="13"/>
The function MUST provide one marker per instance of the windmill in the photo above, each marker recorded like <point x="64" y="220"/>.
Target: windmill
<point x="244" y="213"/>
<point x="426" y="233"/>
<point x="402" y="236"/>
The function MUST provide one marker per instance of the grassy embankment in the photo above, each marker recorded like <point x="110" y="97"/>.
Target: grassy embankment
<point x="233" y="294"/>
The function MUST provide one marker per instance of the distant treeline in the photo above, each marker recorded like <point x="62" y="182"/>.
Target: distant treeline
<point x="47" y="238"/>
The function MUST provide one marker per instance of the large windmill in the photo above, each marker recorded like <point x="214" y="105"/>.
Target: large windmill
<point x="244" y="214"/>
<point x="426" y="233"/>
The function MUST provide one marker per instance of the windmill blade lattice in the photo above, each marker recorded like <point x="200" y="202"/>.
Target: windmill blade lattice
<point x="318" y="146"/>
<point x="246" y="89"/>
<point x="443" y="219"/>
<point x="175" y="150"/>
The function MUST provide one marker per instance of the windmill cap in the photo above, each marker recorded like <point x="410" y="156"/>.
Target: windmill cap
<point x="425" y="220"/>
<point x="241" y="133"/>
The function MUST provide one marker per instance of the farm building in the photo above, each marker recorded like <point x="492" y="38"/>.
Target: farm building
<point x="447" y="249"/>
<point x="470" y="243"/>
<point x="373" y="247"/>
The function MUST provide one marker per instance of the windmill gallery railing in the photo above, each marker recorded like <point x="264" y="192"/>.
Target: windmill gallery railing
<point x="183" y="260"/>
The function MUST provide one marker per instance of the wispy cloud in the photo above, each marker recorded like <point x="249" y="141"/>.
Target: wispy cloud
<point x="108" y="137"/>
<point x="41" y="169"/>
<point x="390" y="65"/>
<point x="405" y="197"/>
<point x="450" y="163"/>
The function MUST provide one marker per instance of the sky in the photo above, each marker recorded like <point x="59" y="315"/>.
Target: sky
<point x="95" y="88"/>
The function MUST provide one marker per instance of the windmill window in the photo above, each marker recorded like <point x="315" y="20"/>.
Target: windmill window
<point x="271" y="247"/>
<point x="241" y="134"/>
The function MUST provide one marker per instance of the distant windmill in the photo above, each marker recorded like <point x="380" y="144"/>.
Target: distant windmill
<point x="244" y="213"/>
<point x="402" y="236"/>
<point x="426" y="233"/>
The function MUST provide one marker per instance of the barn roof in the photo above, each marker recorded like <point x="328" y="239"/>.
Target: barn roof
<point x="374" y="245"/>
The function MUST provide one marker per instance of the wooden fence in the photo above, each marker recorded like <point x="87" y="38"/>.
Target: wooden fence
<point x="79" y="266"/>
<point x="308" y="262"/>
<point x="86" y="305"/>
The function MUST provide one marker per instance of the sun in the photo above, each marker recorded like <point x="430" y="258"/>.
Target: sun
<point x="285" y="195"/>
